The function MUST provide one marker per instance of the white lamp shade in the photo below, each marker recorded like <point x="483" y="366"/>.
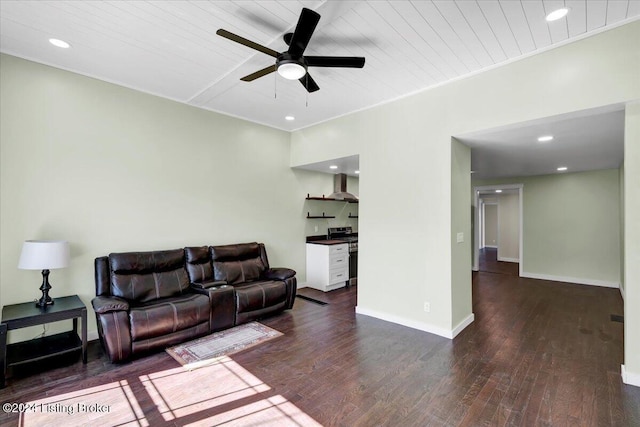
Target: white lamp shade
<point x="44" y="255"/>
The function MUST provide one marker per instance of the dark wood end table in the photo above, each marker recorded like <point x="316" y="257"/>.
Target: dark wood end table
<point x="18" y="316"/>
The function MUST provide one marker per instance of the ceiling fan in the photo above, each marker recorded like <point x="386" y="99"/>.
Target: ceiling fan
<point x="292" y="64"/>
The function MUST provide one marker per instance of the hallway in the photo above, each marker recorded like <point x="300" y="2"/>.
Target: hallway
<point x="488" y="263"/>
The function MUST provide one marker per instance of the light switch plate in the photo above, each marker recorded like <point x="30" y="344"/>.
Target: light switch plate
<point x="460" y="237"/>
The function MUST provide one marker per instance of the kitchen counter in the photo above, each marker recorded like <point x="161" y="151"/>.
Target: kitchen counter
<point x="327" y="242"/>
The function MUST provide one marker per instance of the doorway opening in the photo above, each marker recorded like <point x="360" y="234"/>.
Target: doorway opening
<point x="498" y="229"/>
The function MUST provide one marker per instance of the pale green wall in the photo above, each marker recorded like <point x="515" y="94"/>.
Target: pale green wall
<point x="632" y="243"/>
<point x="509" y="226"/>
<point x="571" y="225"/>
<point x="460" y="223"/>
<point x="406" y="164"/>
<point x="491" y="225"/>
<point x="622" y="228"/>
<point x="110" y="169"/>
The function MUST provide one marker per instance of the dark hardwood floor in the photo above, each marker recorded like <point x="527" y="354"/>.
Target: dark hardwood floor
<point x="488" y="262"/>
<point x="539" y="353"/>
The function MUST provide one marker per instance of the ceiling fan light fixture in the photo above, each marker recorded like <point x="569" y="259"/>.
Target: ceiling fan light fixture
<point x="292" y="64"/>
<point x="291" y="70"/>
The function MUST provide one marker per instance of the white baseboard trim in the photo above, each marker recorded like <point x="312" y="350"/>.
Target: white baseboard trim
<point x="92" y="335"/>
<point x="301" y="285"/>
<point x="463" y="324"/>
<point x="426" y="327"/>
<point x="629" y="378"/>
<point x="577" y="280"/>
<point x="505" y="259"/>
<point x="622" y="292"/>
<point x="490" y="247"/>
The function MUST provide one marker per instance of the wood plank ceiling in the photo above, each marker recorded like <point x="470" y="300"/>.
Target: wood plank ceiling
<point x="170" y="49"/>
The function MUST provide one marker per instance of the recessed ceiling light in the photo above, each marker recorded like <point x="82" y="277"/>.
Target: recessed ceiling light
<point x="498" y="191"/>
<point x="333" y="167"/>
<point x="289" y="118"/>
<point x="357" y="172"/>
<point x="60" y="43"/>
<point x="545" y="138"/>
<point x="557" y="14"/>
<point x="562" y="168"/>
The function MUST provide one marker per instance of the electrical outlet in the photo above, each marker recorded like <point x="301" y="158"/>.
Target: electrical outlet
<point x="460" y="237"/>
<point x="427" y="307"/>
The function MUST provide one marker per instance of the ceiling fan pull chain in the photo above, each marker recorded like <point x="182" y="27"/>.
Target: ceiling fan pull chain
<point x="275" y="86"/>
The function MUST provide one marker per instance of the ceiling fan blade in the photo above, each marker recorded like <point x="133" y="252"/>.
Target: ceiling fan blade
<point x="309" y="84"/>
<point x="251" y="77"/>
<point x="335" y="61"/>
<point x="304" y="29"/>
<point x="287" y="38"/>
<point x="253" y="45"/>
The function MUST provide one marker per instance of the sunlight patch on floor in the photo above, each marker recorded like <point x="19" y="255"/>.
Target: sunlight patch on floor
<point x="275" y="411"/>
<point x="184" y="392"/>
<point x="220" y="394"/>
<point x="108" y="404"/>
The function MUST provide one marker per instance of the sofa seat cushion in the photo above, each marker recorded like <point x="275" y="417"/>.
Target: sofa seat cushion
<point x="168" y="315"/>
<point x="258" y="295"/>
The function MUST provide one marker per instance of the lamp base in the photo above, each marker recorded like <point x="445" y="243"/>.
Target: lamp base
<point x="45" y="300"/>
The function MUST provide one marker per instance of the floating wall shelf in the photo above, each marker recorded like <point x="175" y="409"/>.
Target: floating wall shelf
<point x="319" y="217"/>
<point x="329" y="199"/>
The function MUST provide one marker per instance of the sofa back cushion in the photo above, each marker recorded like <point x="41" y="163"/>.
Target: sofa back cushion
<point x="102" y="276"/>
<point x="147" y="276"/>
<point x="237" y="263"/>
<point x="198" y="264"/>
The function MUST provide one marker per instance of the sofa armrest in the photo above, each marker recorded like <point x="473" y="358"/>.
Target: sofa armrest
<point x="103" y="304"/>
<point x="279" y="273"/>
<point x="114" y="328"/>
<point x="222" y="300"/>
<point x="207" y="284"/>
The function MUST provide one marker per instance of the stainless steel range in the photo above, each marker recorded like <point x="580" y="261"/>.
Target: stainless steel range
<point x="346" y="235"/>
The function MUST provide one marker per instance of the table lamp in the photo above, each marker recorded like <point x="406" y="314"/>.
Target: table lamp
<point x="44" y="255"/>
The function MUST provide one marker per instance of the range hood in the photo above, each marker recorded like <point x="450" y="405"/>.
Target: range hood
<point x="340" y="188"/>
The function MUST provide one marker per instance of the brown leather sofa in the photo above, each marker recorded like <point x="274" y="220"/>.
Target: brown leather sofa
<point x="151" y="300"/>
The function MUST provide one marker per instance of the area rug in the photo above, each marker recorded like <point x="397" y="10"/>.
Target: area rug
<point x="208" y="350"/>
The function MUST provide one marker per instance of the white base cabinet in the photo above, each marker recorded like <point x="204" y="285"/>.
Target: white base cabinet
<point x="327" y="266"/>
